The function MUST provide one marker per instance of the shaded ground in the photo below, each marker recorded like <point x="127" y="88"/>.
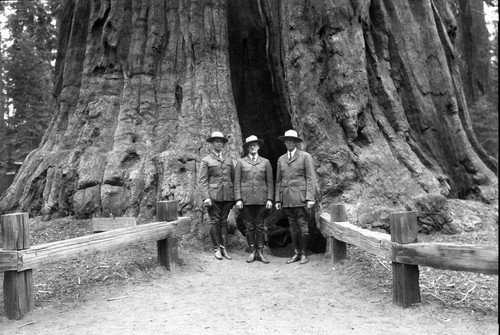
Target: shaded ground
<point x="206" y="296"/>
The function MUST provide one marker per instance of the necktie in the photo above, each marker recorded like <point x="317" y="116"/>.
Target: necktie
<point x="289" y="155"/>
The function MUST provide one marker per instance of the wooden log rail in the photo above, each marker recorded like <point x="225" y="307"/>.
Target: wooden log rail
<point x="18" y="259"/>
<point x="401" y="249"/>
<point x="82" y="246"/>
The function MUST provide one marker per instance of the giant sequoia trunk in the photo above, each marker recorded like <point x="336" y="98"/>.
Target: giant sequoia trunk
<point x="373" y="87"/>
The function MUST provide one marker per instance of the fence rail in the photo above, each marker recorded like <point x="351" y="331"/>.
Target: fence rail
<point x="444" y="256"/>
<point x="18" y="259"/>
<point x="406" y="255"/>
<point x="82" y="246"/>
<point x="376" y="243"/>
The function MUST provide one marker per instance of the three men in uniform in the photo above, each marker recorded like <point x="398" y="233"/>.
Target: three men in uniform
<point x="253" y="193"/>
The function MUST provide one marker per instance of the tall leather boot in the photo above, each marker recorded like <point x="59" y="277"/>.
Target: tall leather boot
<point x="295" y="245"/>
<point x="214" y="235"/>
<point x="250" y="237"/>
<point x="260" y="248"/>
<point x="253" y="249"/>
<point x="223" y="246"/>
<point x="303" y="257"/>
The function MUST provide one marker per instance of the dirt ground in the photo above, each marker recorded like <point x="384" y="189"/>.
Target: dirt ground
<point x="207" y="296"/>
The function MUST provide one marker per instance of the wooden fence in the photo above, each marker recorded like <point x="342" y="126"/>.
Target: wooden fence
<point x="17" y="259"/>
<point x="401" y="248"/>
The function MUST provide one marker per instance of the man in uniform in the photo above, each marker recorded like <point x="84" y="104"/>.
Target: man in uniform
<point x="295" y="192"/>
<point x="215" y="183"/>
<point x="253" y="192"/>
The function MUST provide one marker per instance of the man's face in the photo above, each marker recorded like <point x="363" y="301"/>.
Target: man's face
<point x="253" y="148"/>
<point x="290" y="144"/>
<point x="218" y="144"/>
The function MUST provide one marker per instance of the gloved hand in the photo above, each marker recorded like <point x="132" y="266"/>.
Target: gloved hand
<point x="207" y="203"/>
<point x="239" y="204"/>
<point x="278" y="205"/>
<point x="269" y="204"/>
<point x="309" y="204"/>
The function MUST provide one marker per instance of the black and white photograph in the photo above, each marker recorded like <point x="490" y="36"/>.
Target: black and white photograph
<point x="288" y="167"/>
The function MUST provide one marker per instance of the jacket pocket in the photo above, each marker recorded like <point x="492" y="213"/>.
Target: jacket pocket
<point x="303" y="193"/>
<point x="246" y="172"/>
<point x="262" y="172"/>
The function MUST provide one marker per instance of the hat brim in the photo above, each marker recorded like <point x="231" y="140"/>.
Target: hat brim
<point x="259" y="141"/>
<point x="283" y="138"/>
<point x="211" y="139"/>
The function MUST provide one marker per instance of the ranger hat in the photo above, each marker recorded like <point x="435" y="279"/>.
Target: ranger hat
<point x="217" y="135"/>
<point x="290" y="134"/>
<point x="252" y="139"/>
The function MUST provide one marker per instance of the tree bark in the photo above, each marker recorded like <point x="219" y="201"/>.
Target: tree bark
<point x="473" y="43"/>
<point x="373" y="87"/>
<point x="4" y="156"/>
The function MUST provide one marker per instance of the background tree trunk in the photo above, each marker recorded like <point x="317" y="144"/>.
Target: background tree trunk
<point x="373" y="87"/>
<point x="473" y="53"/>
<point x="3" y="155"/>
<point x="473" y="46"/>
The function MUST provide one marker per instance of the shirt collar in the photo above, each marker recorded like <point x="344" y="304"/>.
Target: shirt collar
<point x="292" y="152"/>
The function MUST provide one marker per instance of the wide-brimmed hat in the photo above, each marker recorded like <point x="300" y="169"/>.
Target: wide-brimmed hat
<point x="290" y="134"/>
<point x="217" y="135"/>
<point x="252" y="139"/>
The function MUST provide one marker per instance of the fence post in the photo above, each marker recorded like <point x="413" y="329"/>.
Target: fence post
<point x="338" y="249"/>
<point x="17" y="286"/>
<point x="167" y="248"/>
<point x="405" y="277"/>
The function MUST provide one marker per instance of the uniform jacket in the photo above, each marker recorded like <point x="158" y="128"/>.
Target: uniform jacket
<point x="295" y="180"/>
<point x="215" y="180"/>
<point x="253" y="181"/>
